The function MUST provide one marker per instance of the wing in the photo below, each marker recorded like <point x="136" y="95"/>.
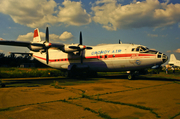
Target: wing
<point x="29" y="44"/>
<point x="15" y="43"/>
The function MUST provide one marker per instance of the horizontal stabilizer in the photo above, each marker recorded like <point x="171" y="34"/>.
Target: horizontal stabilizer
<point x="30" y="54"/>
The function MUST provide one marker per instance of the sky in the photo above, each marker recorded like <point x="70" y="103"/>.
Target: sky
<point x="152" y="23"/>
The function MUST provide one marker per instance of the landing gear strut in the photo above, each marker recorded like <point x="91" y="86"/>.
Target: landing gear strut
<point x="132" y="74"/>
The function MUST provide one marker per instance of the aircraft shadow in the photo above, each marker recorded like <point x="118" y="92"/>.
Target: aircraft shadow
<point x="73" y="81"/>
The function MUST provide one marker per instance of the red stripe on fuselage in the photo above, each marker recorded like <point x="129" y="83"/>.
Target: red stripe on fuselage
<point x="103" y="57"/>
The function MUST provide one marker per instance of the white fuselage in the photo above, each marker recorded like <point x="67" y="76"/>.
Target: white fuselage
<point x="105" y="58"/>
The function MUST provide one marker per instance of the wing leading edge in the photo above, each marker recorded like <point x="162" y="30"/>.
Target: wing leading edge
<point x="15" y="43"/>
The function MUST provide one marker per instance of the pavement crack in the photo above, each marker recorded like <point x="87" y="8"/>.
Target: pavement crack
<point x="121" y="103"/>
<point x="175" y="116"/>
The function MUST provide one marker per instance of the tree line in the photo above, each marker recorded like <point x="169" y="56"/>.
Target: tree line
<point x="13" y="60"/>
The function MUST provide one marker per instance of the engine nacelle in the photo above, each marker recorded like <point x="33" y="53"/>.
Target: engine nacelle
<point x="69" y="50"/>
<point x="35" y="48"/>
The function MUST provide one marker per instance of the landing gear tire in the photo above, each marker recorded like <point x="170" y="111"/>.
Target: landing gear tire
<point x="130" y="76"/>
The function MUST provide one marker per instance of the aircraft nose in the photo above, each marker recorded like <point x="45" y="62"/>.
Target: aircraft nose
<point x="164" y="58"/>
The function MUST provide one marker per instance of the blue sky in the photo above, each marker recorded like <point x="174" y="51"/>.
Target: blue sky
<point x="153" y="23"/>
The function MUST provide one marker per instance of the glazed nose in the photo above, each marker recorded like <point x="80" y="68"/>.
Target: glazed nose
<point x="164" y="58"/>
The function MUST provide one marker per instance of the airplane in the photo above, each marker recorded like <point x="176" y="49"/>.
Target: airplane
<point x="174" y="61"/>
<point x="73" y="59"/>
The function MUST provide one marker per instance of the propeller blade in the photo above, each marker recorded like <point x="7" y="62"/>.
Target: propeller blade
<point x="80" y="38"/>
<point x="81" y="56"/>
<point x="89" y="48"/>
<point x="47" y="34"/>
<point x="47" y="41"/>
<point x="47" y="56"/>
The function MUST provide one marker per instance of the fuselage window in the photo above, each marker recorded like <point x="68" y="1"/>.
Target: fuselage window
<point x="105" y="56"/>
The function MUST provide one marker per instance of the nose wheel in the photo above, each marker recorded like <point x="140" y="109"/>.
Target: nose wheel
<point x="131" y="76"/>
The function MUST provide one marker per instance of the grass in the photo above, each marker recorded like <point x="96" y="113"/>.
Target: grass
<point x="28" y="72"/>
<point x="57" y="85"/>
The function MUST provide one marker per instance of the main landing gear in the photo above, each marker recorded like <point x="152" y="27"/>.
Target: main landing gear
<point x="80" y="74"/>
<point x="134" y="74"/>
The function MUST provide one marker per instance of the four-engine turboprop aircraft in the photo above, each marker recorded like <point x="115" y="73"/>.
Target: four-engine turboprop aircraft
<point x="77" y="58"/>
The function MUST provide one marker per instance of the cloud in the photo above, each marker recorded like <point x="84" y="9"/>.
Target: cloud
<point x="66" y="36"/>
<point x="41" y="13"/>
<point x="109" y="13"/>
<point x="27" y="37"/>
<point x="156" y="35"/>
<point x="73" y="14"/>
<point x="168" y="51"/>
<point x="177" y="51"/>
<point x="152" y="35"/>
<point x="32" y="13"/>
<point x="53" y="37"/>
<point x="149" y="13"/>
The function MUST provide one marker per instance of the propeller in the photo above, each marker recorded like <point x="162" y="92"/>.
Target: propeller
<point x="47" y="45"/>
<point x="80" y="47"/>
<point x="80" y="43"/>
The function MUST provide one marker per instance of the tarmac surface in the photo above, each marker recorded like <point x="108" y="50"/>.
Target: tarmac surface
<point x="96" y="98"/>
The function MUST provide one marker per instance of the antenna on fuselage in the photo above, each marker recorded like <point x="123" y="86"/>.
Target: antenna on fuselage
<point x="120" y="41"/>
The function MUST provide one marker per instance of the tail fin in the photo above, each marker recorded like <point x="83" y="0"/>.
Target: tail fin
<point x="36" y="37"/>
<point x="172" y="58"/>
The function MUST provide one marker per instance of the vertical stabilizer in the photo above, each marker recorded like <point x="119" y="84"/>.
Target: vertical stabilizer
<point x="36" y="37"/>
<point x="172" y="58"/>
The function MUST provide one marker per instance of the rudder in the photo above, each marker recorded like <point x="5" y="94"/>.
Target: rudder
<point x="36" y="37"/>
<point x="172" y="58"/>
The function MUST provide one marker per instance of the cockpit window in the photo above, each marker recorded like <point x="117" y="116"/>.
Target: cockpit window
<point x="140" y="48"/>
<point x="152" y="52"/>
<point x="143" y="49"/>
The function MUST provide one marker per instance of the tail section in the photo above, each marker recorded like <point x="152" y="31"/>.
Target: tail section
<point x="172" y="59"/>
<point x="36" y="37"/>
